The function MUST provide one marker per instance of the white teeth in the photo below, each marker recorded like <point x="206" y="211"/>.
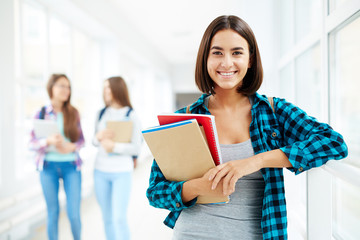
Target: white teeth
<point x="227" y="73"/>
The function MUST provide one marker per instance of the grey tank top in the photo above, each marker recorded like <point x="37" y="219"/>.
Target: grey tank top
<point x="238" y="219"/>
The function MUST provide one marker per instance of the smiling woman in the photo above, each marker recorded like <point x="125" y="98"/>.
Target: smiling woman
<point x="257" y="140"/>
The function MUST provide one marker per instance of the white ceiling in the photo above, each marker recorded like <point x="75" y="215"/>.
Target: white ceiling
<point x="174" y="28"/>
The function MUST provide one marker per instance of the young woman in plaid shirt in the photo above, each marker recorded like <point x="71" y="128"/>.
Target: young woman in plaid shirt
<point x="257" y="141"/>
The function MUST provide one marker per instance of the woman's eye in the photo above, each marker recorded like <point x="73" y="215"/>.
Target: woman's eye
<point x="217" y="53"/>
<point x="237" y="53"/>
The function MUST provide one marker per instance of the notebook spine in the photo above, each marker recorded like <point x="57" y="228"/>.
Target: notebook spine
<point x="217" y="159"/>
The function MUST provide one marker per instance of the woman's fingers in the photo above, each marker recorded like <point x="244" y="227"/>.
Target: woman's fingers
<point x="214" y="171"/>
<point x="219" y="175"/>
<point x="226" y="183"/>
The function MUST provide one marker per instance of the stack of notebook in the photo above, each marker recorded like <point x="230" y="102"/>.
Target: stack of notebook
<point x="183" y="149"/>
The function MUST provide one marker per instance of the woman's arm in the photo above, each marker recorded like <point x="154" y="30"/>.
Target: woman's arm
<point x="165" y="194"/>
<point x="309" y="144"/>
<point x="231" y="171"/>
<point x="81" y="141"/>
<point x="37" y="144"/>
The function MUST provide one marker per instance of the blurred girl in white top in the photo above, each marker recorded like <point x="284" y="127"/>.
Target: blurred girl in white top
<point x="114" y="162"/>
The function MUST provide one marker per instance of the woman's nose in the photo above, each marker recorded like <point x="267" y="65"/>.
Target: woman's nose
<point x="226" y="61"/>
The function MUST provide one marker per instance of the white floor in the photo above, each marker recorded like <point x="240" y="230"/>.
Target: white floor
<point x="145" y="221"/>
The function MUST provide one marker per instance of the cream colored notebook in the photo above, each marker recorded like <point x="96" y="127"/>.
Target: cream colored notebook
<point x="182" y="153"/>
<point x="123" y="130"/>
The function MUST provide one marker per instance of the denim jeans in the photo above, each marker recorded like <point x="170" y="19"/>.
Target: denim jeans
<point x="49" y="179"/>
<point x="113" y="192"/>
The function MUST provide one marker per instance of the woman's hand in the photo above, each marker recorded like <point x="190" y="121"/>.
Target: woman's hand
<point x="108" y="145"/>
<point x="66" y="147"/>
<point x="200" y="187"/>
<point x="231" y="171"/>
<point x="55" y="139"/>
<point x="105" y="134"/>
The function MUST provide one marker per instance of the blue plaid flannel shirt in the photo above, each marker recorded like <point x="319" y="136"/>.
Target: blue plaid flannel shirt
<point x="306" y="142"/>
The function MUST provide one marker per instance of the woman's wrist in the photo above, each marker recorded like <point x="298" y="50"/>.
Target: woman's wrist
<point x="259" y="161"/>
<point x="191" y="189"/>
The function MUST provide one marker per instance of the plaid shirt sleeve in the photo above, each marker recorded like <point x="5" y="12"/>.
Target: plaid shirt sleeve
<point x="165" y="194"/>
<point x="309" y="143"/>
<point x="37" y="144"/>
<point x="81" y="141"/>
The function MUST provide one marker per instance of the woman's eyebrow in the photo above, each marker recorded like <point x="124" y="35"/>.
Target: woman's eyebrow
<point x="233" y="49"/>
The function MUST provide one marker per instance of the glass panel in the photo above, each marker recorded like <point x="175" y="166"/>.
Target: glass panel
<point x="286" y="26"/>
<point x="345" y="85"/>
<point x="33" y="37"/>
<point x="80" y="78"/>
<point x="334" y="4"/>
<point x="60" y="38"/>
<point x="345" y="117"/>
<point x="308" y="15"/>
<point x="308" y="82"/>
<point x="287" y="85"/>
<point x="346" y="209"/>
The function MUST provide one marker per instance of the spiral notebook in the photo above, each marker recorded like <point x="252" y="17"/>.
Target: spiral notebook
<point x="208" y="124"/>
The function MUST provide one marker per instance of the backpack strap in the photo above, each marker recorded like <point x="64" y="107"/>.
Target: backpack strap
<point x="42" y="113"/>
<point x="271" y="101"/>
<point x="188" y="109"/>
<point x="128" y="112"/>
<point x="102" y="111"/>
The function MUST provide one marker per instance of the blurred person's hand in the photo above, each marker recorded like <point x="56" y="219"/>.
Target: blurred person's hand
<point x="108" y="145"/>
<point x="105" y="134"/>
<point x="55" y="139"/>
<point x="66" y="147"/>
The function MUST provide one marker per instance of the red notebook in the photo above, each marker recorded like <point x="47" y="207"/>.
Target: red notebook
<point x="208" y="123"/>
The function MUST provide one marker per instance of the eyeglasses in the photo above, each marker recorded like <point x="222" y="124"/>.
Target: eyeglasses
<point x="62" y="86"/>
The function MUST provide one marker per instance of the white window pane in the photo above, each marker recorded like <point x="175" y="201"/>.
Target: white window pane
<point x="308" y="15"/>
<point x="33" y="37"/>
<point x="287" y="85"/>
<point x="345" y="85"/>
<point x="346" y="211"/>
<point x="308" y="82"/>
<point x="345" y="117"/>
<point x="286" y="26"/>
<point x="60" y="42"/>
<point x="334" y="4"/>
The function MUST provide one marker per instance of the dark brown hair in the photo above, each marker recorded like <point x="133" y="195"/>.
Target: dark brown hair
<point x="70" y="113"/>
<point x="254" y="76"/>
<point x="119" y="91"/>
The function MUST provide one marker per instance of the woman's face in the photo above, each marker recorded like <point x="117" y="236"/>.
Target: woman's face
<point x="107" y="93"/>
<point x="228" y="59"/>
<point x="61" y="90"/>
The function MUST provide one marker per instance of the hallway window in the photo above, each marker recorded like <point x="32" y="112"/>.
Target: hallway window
<point x="307" y="17"/>
<point x="345" y="85"/>
<point x="287" y="84"/>
<point x="59" y="46"/>
<point x="308" y="81"/>
<point x="345" y="116"/>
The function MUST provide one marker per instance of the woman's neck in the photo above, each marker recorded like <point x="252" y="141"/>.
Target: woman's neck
<point x="228" y="100"/>
<point x="57" y="105"/>
<point x="116" y="105"/>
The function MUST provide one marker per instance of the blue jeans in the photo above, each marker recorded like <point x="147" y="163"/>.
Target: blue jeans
<point x="113" y="192"/>
<point x="49" y="179"/>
